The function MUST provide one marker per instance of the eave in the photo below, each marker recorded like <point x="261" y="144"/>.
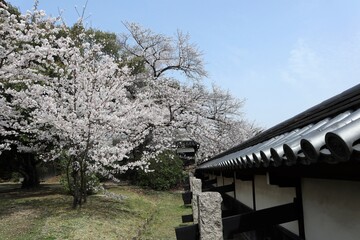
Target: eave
<point x="326" y="133"/>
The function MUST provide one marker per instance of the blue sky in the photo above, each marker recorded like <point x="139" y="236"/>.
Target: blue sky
<point x="282" y="56"/>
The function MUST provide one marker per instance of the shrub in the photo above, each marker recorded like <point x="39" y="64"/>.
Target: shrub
<point x="167" y="172"/>
<point x="92" y="184"/>
<point x="92" y="181"/>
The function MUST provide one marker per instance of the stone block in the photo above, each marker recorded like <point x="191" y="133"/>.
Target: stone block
<point x="210" y="220"/>
<point x="195" y="187"/>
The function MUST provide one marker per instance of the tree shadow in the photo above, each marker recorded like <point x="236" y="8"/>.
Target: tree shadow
<point x="50" y="199"/>
<point x="14" y="191"/>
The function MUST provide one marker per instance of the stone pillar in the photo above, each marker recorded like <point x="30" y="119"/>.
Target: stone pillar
<point x="210" y="220"/>
<point x="195" y="188"/>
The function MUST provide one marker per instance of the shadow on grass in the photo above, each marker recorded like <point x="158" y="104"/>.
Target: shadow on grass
<point x="14" y="191"/>
<point x="50" y="200"/>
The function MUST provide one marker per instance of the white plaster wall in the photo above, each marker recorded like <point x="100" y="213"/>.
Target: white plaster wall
<point x="331" y="209"/>
<point x="267" y="196"/>
<point x="228" y="181"/>
<point x="244" y="192"/>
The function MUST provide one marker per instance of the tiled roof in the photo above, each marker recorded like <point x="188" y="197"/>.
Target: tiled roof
<point x="328" y="132"/>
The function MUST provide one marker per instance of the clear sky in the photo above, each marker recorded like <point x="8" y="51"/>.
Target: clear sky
<point x="282" y="56"/>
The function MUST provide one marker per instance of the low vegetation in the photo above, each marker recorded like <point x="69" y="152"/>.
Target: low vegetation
<point x="167" y="172"/>
<point x="120" y="212"/>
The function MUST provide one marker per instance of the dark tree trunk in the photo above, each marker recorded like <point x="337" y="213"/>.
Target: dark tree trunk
<point x="76" y="190"/>
<point x="83" y="182"/>
<point x="29" y="171"/>
<point x="24" y="163"/>
<point x="79" y="184"/>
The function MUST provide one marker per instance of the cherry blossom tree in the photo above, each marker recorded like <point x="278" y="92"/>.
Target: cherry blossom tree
<point x="221" y="124"/>
<point x="62" y="94"/>
<point x="212" y="117"/>
<point x="20" y="48"/>
<point x="75" y="98"/>
<point x="162" y="53"/>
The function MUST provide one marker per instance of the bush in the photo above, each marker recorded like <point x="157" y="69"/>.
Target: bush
<point x="92" y="184"/>
<point x="92" y="181"/>
<point x="167" y="172"/>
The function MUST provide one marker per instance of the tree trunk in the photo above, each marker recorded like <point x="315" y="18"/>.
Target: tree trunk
<point x="83" y="182"/>
<point x="79" y="184"/>
<point x="29" y="171"/>
<point x="76" y="184"/>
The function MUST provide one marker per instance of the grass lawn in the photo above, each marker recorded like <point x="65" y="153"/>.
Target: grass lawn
<point x="46" y="213"/>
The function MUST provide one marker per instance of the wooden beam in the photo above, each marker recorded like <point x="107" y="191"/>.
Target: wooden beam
<point x="321" y="170"/>
<point x="228" y="213"/>
<point x="210" y="182"/>
<point x="341" y="171"/>
<point x="229" y="173"/>
<point x="187" y="187"/>
<point x="283" y="181"/>
<point x="188" y="232"/>
<point x="260" y="219"/>
<point x="244" y="177"/>
<point x="235" y="205"/>
<point x="222" y="189"/>
<point x="205" y="178"/>
<point x="301" y="221"/>
<point x="187" y="218"/>
<point x="187" y="196"/>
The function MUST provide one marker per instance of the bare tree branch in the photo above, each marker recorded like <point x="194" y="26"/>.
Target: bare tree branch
<point x="162" y="53"/>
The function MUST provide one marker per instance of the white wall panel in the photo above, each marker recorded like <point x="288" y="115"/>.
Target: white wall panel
<point x="331" y="209"/>
<point x="270" y="196"/>
<point x="244" y="192"/>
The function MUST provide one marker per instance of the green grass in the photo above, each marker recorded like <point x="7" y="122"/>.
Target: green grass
<point x="46" y="214"/>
